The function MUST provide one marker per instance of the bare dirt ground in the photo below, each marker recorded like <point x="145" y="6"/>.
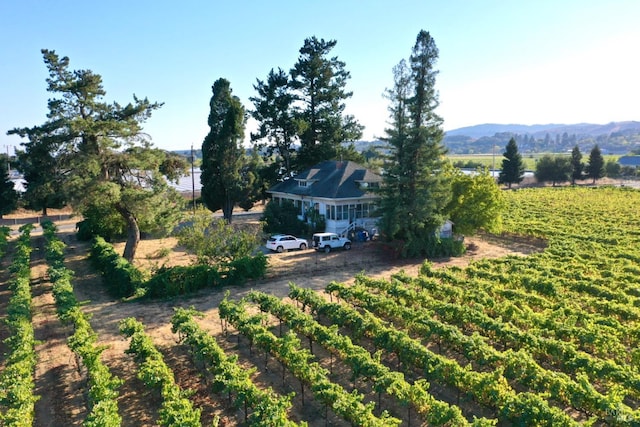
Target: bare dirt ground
<point x="60" y="381"/>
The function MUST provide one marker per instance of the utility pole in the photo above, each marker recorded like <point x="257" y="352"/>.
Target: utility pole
<point x="193" y="184"/>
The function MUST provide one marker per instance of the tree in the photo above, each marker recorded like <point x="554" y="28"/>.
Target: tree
<point x="215" y="241"/>
<point x="8" y="195"/>
<point x="105" y="157"/>
<point x="576" y="165"/>
<point x="319" y="83"/>
<point x="476" y="202"/>
<point x="512" y="165"/>
<point x="42" y="172"/>
<point x="612" y="169"/>
<point x="273" y="109"/>
<point x="282" y="217"/>
<point x="595" y="166"/>
<point x="222" y="152"/>
<point x="553" y="168"/>
<point x="416" y="190"/>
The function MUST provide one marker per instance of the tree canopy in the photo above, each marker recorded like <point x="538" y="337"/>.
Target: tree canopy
<point x="103" y="155"/>
<point x="8" y="195"/>
<point x="476" y="203"/>
<point x="416" y="189"/>
<point x="512" y="166"/>
<point x="319" y="82"/>
<point x="577" y="166"/>
<point x="273" y="110"/>
<point x="595" y="166"/>
<point x="222" y="153"/>
<point x="554" y="169"/>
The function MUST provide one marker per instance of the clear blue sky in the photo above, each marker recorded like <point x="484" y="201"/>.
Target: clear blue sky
<point x="546" y="61"/>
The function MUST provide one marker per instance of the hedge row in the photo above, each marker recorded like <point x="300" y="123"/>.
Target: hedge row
<point x="103" y="386"/>
<point x="125" y="280"/>
<point x="121" y="277"/>
<point x="4" y="237"/>
<point x="17" y="399"/>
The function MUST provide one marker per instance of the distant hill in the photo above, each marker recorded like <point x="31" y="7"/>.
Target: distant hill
<point x="614" y="137"/>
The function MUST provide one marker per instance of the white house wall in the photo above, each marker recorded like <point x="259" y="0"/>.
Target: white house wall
<point x="332" y="225"/>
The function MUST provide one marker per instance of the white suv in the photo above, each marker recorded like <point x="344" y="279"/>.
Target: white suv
<point x="328" y="241"/>
<point x="285" y="242"/>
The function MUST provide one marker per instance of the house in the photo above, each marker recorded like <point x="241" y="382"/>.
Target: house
<point x="338" y="190"/>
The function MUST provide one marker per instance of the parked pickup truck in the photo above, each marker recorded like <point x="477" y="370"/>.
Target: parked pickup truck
<point x="328" y="241"/>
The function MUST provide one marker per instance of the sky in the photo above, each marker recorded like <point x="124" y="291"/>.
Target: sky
<point x="507" y="62"/>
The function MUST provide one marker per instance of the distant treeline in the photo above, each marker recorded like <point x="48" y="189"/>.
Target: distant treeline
<point x="619" y="142"/>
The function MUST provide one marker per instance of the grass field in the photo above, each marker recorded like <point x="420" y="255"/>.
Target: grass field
<point x="488" y="160"/>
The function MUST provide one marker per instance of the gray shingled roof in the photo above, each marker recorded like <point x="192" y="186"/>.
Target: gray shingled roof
<point x="331" y="179"/>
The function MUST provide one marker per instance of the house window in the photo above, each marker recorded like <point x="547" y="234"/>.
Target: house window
<point x="302" y="183"/>
<point x="338" y="213"/>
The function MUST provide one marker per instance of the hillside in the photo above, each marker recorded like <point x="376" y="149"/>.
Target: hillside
<point x="614" y="137"/>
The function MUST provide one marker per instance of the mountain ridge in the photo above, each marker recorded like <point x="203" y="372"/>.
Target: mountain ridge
<point x="591" y="129"/>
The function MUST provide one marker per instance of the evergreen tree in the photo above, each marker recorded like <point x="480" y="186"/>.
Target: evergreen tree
<point x="595" y="166"/>
<point x="43" y="172"/>
<point x="8" y="195"/>
<point x="553" y="168"/>
<point x="512" y="165"/>
<point x="319" y="82"/>
<point x="106" y="158"/>
<point x="576" y="165"/>
<point x="273" y="110"/>
<point x="222" y="152"/>
<point x="416" y="190"/>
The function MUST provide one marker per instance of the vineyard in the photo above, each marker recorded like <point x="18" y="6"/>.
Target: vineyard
<point x="548" y="339"/>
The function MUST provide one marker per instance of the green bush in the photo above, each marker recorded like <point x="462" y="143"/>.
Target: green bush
<point x="4" y="235"/>
<point x="283" y="218"/>
<point x="100" y="221"/>
<point x="180" y="280"/>
<point x="246" y="268"/>
<point x="122" y="278"/>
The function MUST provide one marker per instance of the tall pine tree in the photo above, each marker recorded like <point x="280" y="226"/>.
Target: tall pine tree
<point x="595" y="166"/>
<point x="416" y="190"/>
<point x="222" y="152"/>
<point x="107" y="159"/>
<point x="576" y="165"/>
<point x="319" y="82"/>
<point x="8" y="195"/>
<point x="512" y="165"/>
<point x="273" y="110"/>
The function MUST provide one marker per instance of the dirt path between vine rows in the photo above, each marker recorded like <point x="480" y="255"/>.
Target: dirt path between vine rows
<point x="61" y="383"/>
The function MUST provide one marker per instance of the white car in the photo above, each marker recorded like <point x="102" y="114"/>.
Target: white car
<point x="328" y="241"/>
<point x="285" y="242"/>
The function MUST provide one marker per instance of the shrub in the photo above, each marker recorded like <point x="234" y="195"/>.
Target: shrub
<point x="180" y="280"/>
<point x="214" y="241"/>
<point x="283" y="218"/>
<point x="246" y="268"/>
<point x="122" y="278"/>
